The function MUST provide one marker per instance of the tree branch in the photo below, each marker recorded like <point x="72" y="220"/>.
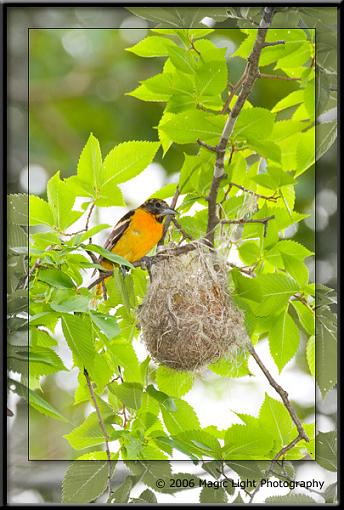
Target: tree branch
<point x="242" y="221"/>
<point x="246" y="84"/>
<point x="169" y="218"/>
<point x="102" y="426"/>
<point x="284" y="396"/>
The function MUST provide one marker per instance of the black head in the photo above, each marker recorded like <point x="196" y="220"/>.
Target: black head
<point x="158" y="207"/>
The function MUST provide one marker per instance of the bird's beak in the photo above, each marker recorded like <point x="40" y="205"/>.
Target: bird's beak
<point x="167" y="211"/>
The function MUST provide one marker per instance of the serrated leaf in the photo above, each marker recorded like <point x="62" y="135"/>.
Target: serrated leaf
<point x="55" y="278"/>
<point x="201" y="125"/>
<point x="284" y="338"/>
<point x="274" y="416"/>
<point x="243" y="442"/>
<point x="90" y="165"/>
<point x="152" y="46"/>
<point x="292" y="99"/>
<point x="305" y="151"/>
<point x="106" y="323"/>
<point x="174" y="382"/>
<point x="61" y="201"/>
<point x="79" y="336"/>
<point x="39" y="212"/>
<point x="89" y="433"/>
<point x="129" y="393"/>
<point x="213" y="495"/>
<point x="211" y="78"/>
<point x="36" y="401"/>
<point x="84" y="482"/>
<point x="290" y="499"/>
<point x="181" y="419"/>
<point x="127" y="160"/>
<point x="254" y="124"/>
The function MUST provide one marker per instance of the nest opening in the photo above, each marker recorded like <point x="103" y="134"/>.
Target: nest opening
<point x="188" y="319"/>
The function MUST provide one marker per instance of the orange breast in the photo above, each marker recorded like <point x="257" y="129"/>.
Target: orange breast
<point x="143" y="233"/>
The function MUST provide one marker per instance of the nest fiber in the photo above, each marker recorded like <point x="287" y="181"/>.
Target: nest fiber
<point x="187" y="318"/>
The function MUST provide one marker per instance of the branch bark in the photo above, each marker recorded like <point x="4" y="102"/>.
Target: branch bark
<point x="284" y="396"/>
<point x="102" y="426"/>
<point x="249" y="77"/>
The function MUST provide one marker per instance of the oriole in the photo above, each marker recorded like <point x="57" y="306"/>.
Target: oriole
<point x="137" y="232"/>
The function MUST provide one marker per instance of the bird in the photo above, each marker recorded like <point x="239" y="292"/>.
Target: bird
<point x="137" y="232"/>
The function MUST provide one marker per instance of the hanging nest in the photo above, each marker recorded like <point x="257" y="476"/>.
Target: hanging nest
<point x="187" y="318"/>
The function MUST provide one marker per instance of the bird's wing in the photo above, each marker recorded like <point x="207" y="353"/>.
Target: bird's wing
<point x="117" y="232"/>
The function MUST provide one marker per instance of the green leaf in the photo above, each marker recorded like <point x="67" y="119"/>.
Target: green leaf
<point x="274" y="417"/>
<point x="90" y="165"/>
<point x="42" y="360"/>
<point x="108" y="255"/>
<point x="166" y="191"/>
<point x="306" y="317"/>
<point x="121" y="495"/>
<point x="292" y="99"/>
<point x="243" y="442"/>
<point x="129" y="393"/>
<point x="284" y="338"/>
<point x="174" y="382"/>
<point x="39" y="212"/>
<point x="90" y="434"/>
<point x="79" y="336"/>
<point x="181" y="419"/>
<point x="309" y="97"/>
<point x="106" y="323"/>
<point x="197" y="443"/>
<point x="211" y="78"/>
<point x="153" y="46"/>
<point x="254" y="124"/>
<point x="127" y="160"/>
<point x="56" y="278"/>
<point x="61" y="201"/>
<point x="181" y="59"/>
<point x="305" y="151"/>
<point x="36" y="401"/>
<point x="164" y="400"/>
<point x="70" y="303"/>
<point x="310" y="353"/>
<point x="201" y="125"/>
<point x="213" y="495"/>
<point x="147" y="496"/>
<point x="84" y="482"/>
<point x="98" y="455"/>
<point x="236" y="367"/>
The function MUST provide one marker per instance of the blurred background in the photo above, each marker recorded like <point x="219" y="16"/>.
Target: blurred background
<point x="78" y="78"/>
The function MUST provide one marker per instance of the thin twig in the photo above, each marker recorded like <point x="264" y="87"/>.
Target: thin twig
<point x="211" y="148"/>
<point x="266" y="44"/>
<point x="271" y="198"/>
<point x="242" y="221"/>
<point x="246" y="84"/>
<point x="284" y="396"/>
<point x="102" y="426"/>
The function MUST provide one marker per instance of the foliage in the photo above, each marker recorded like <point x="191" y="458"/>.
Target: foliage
<point x="144" y="410"/>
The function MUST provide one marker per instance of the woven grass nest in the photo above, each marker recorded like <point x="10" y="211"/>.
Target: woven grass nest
<point x="187" y="318"/>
